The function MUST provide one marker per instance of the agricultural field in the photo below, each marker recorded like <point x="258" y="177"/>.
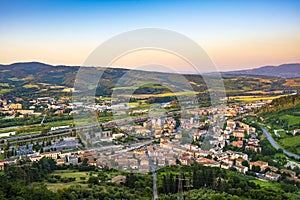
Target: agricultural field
<point x="291" y="143"/>
<point x="30" y="86"/>
<point x="5" y="90"/>
<point x="254" y="98"/>
<point x="36" y="127"/>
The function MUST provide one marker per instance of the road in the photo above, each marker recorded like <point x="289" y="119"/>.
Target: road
<point x="276" y="146"/>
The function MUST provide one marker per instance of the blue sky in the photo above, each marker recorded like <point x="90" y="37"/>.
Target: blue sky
<point x="235" y="34"/>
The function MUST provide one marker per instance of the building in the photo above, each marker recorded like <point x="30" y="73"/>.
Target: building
<point x="119" y="179"/>
<point x="208" y="162"/>
<point x="241" y="168"/>
<point x="271" y="176"/>
<point x="290" y="172"/>
<point x="240" y="133"/>
<point x="238" y="144"/>
<point x="15" y="106"/>
<point x="261" y="164"/>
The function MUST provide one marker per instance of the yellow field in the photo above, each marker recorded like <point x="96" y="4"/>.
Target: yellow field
<point x="30" y="86"/>
<point x="254" y="98"/>
<point x="167" y="94"/>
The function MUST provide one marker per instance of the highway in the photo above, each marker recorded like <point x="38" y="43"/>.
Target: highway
<point x="276" y="146"/>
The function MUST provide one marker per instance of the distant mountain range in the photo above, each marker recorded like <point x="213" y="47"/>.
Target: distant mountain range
<point x="35" y="77"/>
<point x="283" y="71"/>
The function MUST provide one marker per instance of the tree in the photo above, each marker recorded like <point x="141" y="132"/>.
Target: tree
<point x="245" y="163"/>
<point x="93" y="180"/>
<point x="256" y="168"/>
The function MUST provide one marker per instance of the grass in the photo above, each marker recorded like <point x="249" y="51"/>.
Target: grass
<point x="74" y="174"/>
<point x="290" y="122"/>
<point x="291" y="143"/>
<point x="268" y="184"/>
<point x="68" y="174"/>
<point x="292" y="119"/>
<point x="71" y="173"/>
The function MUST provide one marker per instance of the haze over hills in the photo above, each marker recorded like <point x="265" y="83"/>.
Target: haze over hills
<point x="291" y="70"/>
<point x="284" y="71"/>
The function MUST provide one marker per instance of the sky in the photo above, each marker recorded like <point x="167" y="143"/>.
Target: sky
<point x="234" y="34"/>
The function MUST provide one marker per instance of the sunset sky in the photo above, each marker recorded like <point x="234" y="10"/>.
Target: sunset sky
<point x="235" y="34"/>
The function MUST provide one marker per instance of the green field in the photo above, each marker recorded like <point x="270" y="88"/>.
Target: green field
<point x="36" y="127"/>
<point x="70" y="173"/>
<point x="268" y="184"/>
<point x="292" y="119"/>
<point x="75" y="174"/>
<point x="291" y="143"/>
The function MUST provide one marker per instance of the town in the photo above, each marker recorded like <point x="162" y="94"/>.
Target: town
<point x="157" y="141"/>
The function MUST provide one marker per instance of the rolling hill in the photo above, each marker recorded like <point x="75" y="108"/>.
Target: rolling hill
<point x="34" y="77"/>
<point x="283" y="71"/>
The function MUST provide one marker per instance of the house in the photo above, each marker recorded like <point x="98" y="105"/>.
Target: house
<point x="52" y="155"/>
<point x="290" y="172"/>
<point x="228" y="161"/>
<point x="7" y="134"/>
<point x="199" y="133"/>
<point x="60" y="161"/>
<point x="164" y="139"/>
<point x="2" y="164"/>
<point x="271" y="176"/>
<point x="202" y="153"/>
<point x="231" y="123"/>
<point x="238" y="144"/>
<point x="118" y="135"/>
<point x="133" y="163"/>
<point x="144" y="169"/>
<point x="261" y="164"/>
<point x="241" y="168"/>
<point x="273" y="169"/>
<point x="225" y="166"/>
<point x="240" y="133"/>
<point x="73" y="160"/>
<point x="92" y="162"/>
<point x="119" y="179"/>
<point x="236" y="155"/>
<point x="35" y="158"/>
<point x="171" y="161"/>
<point x="141" y="151"/>
<point x="208" y="162"/>
<point x="295" y="132"/>
<point x="185" y="159"/>
<point x="144" y="161"/>
<point x="15" y="106"/>
<point x="253" y="144"/>
<point x="239" y="161"/>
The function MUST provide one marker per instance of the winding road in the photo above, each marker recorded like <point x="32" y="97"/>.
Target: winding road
<point x="276" y="146"/>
